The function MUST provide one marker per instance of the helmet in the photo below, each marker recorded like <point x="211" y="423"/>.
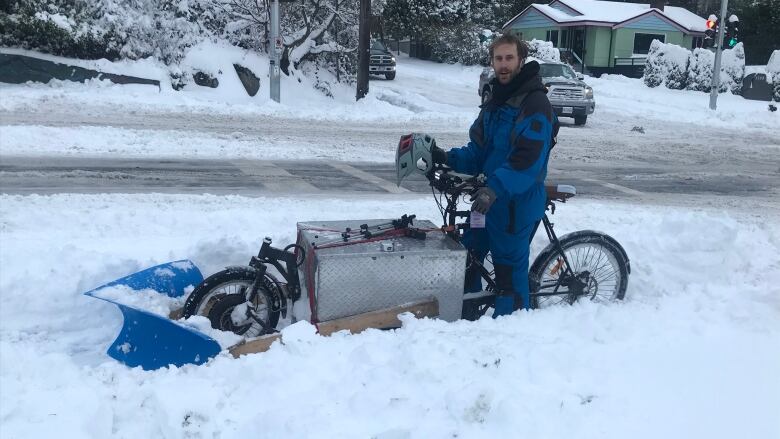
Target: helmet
<point x="413" y="155"/>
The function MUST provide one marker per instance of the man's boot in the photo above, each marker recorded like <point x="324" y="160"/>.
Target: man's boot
<point x="505" y="293"/>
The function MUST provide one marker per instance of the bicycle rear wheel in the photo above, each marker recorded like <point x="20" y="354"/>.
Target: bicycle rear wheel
<point x="598" y="269"/>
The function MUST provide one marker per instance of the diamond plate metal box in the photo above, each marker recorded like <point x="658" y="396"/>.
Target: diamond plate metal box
<point x="368" y="276"/>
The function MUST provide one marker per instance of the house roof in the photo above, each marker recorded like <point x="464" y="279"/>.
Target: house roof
<point x="606" y="13"/>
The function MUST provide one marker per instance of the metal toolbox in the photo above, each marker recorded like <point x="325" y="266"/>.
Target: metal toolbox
<point x="349" y="278"/>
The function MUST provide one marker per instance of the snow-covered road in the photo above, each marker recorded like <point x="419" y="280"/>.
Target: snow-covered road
<point x="638" y="183"/>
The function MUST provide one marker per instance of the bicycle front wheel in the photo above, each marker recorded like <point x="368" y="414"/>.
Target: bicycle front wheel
<point x="595" y="267"/>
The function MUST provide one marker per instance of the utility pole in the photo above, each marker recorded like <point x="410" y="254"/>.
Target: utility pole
<point x="718" y="51"/>
<point x="364" y="48"/>
<point x="276" y="50"/>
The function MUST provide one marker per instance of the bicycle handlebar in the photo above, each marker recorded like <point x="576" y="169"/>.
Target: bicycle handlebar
<point x="443" y="179"/>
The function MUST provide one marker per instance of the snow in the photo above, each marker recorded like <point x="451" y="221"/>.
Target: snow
<point x="147" y="299"/>
<point x="691" y="352"/>
<point x="297" y="99"/>
<point x="425" y="95"/>
<point x="688" y="107"/>
<point x="58" y="19"/>
<point x="701" y="310"/>
<point x="543" y="50"/>
<point x="773" y="65"/>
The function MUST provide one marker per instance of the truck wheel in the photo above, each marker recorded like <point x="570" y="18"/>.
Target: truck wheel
<point x="390" y="76"/>
<point x="580" y="120"/>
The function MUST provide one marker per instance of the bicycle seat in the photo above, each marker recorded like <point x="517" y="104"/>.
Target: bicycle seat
<point x="560" y="192"/>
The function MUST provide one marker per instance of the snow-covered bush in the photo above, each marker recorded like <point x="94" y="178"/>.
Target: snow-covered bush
<point x="732" y="66"/>
<point x="678" y="68"/>
<point x="543" y="50"/>
<point x="773" y="73"/>
<point x="666" y="64"/>
<point x="700" y="70"/>
<point x="57" y="27"/>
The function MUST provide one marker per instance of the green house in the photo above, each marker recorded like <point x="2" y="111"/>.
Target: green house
<point x="607" y="37"/>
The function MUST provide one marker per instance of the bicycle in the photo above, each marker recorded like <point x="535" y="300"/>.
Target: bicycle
<point x="581" y="264"/>
<point x="248" y="300"/>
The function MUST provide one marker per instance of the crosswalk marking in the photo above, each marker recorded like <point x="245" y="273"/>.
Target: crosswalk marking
<point x="617" y="187"/>
<point x="365" y="176"/>
<point x="275" y="178"/>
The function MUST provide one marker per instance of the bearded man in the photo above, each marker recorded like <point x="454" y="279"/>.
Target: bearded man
<point x="510" y="144"/>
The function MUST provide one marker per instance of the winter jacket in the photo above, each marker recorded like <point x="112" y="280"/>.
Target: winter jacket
<point x="510" y="143"/>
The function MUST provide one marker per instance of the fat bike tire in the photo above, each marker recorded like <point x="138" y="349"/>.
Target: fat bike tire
<point x="213" y="298"/>
<point x="596" y="259"/>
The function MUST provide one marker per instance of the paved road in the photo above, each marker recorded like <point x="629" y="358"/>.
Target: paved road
<point x="26" y="175"/>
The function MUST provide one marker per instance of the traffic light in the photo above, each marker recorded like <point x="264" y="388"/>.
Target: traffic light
<point x="711" y="32"/>
<point x="731" y="37"/>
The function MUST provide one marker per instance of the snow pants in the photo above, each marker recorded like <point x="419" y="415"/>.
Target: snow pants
<point x="509" y="244"/>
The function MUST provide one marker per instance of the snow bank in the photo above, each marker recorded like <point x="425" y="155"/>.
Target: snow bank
<point x="701" y="310"/>
<point x="299" y="98"/>
<point x="619" y="97"/>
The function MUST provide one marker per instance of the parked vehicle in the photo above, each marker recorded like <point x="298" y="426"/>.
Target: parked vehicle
<point x="569" y="95"/>
<point x="382" y="61"/>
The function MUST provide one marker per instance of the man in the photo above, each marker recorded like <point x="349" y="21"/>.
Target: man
<point x="510" y="143"/>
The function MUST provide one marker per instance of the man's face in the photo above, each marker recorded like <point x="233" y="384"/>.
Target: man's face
<point x="506" y="63"/>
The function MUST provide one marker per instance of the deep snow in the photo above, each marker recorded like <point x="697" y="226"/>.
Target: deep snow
<point x="692" y="352"/>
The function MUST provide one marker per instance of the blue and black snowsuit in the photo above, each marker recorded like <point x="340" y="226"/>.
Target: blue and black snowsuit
<point x="510" y="143"/>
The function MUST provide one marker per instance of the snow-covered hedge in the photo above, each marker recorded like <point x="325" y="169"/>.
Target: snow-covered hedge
<point x="666" y="64"/>
<point x="732" y="67"/>
<point x="700" y="70"/>
<point x="110" y="29"/>
<point x="773" y="73"/>
<point x="543" y="50"/>
<point x="678" y="68"/>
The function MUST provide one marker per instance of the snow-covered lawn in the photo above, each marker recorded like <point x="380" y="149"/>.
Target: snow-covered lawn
<point x="692" y="352"/>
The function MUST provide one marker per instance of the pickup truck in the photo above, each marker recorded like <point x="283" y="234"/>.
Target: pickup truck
<point x="382" y="62"/>
<point x="568" y="93"/>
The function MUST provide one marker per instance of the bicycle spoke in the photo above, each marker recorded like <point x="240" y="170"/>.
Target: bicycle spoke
<point x="601" y="284"/>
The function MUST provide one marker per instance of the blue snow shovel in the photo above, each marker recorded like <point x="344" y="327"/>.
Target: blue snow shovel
<point x="153" y="341"/>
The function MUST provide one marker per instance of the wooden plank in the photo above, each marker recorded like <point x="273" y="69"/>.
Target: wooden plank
<point x="260" y="344"/>
<point x="385" y="318"/>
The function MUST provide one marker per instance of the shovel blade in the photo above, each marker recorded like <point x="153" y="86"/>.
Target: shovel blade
<point x="153" y="341"/>
<point x="171" y="278"/>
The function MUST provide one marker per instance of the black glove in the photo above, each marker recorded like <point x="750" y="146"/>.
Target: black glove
<point x="438" y="155"/>
<point x="483" y="198"/>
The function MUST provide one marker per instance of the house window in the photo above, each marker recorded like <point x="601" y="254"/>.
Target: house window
<point x="697" y="42"/>
<point x="552" y="35"/>
<point x="642" y="42"/>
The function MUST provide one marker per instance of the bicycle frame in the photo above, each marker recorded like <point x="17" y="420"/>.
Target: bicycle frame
<point x="457" y="187"/>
